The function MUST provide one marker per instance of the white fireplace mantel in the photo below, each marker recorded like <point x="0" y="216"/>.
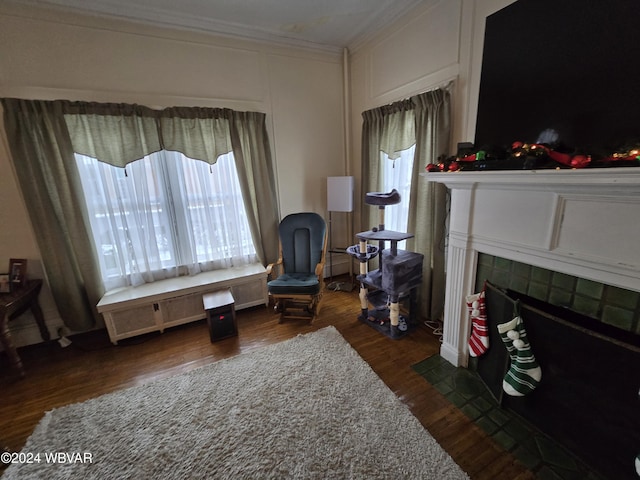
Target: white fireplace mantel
<point x="584" y="223"/>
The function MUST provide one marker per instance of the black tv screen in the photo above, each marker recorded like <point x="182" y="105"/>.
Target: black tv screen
<point x="562" y="72"/>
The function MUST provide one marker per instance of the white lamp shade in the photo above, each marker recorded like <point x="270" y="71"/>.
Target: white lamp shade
<point x="340" y="194"/>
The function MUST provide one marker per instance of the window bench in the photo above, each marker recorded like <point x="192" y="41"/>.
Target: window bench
<point x="152" y="307"/>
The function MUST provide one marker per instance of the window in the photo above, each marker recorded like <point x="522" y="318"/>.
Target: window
<point x="397" y="174"/>
<point x="165" y="214"/>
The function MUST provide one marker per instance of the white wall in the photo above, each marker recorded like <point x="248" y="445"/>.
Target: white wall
<point x="418" y="53"/>
<point x="438" y="42"/>
<point x="46" y="55"/>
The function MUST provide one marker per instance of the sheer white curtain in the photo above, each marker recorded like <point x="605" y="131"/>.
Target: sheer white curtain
<point x="163" y="215"/>
<point x="397" y="174"/>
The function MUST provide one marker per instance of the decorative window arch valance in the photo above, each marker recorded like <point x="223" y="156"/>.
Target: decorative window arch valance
<point x="119" y="134"/>
<point x="396" y="126"/>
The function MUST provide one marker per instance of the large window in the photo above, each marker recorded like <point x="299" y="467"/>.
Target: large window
<point x="163" y="214"/>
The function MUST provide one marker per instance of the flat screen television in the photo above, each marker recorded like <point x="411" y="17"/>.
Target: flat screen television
<point x="561" y="72"/>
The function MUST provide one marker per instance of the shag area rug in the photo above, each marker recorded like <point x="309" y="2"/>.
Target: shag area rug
<point x="306" y="408"/>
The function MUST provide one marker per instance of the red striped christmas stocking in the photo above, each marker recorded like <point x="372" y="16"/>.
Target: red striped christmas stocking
<point x="479" y="340"/>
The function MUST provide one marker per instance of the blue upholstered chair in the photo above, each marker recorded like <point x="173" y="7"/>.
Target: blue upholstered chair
<point x="296" y="280"/>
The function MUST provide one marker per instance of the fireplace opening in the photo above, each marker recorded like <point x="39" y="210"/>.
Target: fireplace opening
<point x="588" y="397"/>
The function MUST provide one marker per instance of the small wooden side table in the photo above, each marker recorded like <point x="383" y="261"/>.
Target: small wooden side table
<point x="12" y="305"/>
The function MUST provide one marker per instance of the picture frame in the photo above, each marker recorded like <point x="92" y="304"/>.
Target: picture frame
<point x="17" y="272"/>
<point x="5" y="283"/>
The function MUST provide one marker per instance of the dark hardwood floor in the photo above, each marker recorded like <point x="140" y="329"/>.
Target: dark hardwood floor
<point x="92" y="366"/>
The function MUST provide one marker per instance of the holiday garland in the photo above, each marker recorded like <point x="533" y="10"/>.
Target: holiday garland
<point x="521" y="149"/>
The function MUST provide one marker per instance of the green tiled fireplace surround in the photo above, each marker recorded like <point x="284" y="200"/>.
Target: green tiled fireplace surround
<point x="611" y="305"/>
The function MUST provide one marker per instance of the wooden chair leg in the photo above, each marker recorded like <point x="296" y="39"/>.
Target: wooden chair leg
<point x="318" y="301"/>
<point x="298" y="309"/>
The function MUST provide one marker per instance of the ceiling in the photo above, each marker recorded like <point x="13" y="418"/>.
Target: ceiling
<point x="322" y="24"/>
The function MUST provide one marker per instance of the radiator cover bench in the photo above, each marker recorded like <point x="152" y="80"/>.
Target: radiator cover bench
<point x="152" y="307"/>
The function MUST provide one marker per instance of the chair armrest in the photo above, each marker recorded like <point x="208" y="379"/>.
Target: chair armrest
<point x="275" y="268"/>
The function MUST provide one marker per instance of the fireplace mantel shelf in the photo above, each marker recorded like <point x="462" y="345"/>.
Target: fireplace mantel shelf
<point x="627" y="178"/>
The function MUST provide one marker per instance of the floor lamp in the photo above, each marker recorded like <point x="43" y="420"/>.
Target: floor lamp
<point x="340" y="199"/>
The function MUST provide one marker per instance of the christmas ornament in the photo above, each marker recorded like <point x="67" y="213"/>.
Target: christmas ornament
<point x="454" y="166"/>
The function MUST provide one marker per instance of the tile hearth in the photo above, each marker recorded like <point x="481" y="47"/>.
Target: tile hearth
<point x="538" y="452"/>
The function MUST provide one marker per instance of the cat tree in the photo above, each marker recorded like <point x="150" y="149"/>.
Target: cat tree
<point x="398" y="275"/>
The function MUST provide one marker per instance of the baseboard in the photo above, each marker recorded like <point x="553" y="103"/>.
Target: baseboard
<point x="451" y="355"/>
<point x="25" y="331"/>
<point x="341" y="265"/>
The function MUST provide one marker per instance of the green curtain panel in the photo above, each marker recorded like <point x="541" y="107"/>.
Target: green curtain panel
<point x="428" y="203"/>
<point x="255" y="167"/>
<point x="42" y="155"/>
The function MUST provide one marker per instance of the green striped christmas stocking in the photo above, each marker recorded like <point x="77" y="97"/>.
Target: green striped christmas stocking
<point x="524" y="373"/>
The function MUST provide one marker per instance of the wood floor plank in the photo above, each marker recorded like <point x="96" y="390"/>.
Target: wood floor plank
<point x="92" y="366"/>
